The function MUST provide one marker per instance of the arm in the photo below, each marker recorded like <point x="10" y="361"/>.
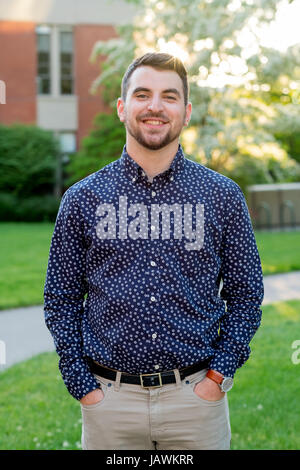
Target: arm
<point x="64" y="292"/>
<point x="242" y="288"/>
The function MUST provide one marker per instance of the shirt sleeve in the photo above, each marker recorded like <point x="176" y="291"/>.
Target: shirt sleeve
<point x="242" y="288"/>
<point x="64" y="292"/>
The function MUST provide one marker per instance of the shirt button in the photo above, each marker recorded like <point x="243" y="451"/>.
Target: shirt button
<point x="153" y="227"/>
<point x="156" y="366"/>
<point x="133" y="179"/>
<point x="171" y="178"/>
<point x="153" y="299"/>
<point x="153" y="193"/>
<point x="143" y="173"/>
<point x="152" y="263"/>
<point x="154" y="335"/>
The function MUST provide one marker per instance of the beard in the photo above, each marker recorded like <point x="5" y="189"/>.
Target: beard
<point x="152" y="140"/>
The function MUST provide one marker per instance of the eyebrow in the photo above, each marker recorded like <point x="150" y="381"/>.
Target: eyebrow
<point x="168" y="90"/>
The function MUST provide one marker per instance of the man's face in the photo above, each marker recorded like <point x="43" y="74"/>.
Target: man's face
<point x="154" y="112"/>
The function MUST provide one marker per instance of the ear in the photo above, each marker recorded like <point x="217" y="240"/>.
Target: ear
<point x="120" y="109"/>
<point x="188" y="113"/>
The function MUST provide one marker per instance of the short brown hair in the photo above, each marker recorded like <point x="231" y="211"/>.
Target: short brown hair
<point x="160" y="61"/>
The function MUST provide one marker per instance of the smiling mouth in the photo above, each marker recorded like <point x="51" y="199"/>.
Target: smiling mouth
<point x="154" y="122"/>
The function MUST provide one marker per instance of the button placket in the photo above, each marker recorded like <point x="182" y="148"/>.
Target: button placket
<point x="154" y="299"/>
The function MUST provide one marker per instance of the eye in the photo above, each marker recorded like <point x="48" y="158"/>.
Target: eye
<point x="171" y="98"/>
<point x="141" y="95"/>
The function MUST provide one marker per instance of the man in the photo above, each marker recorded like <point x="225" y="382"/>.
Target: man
<point x="152" y="351"/>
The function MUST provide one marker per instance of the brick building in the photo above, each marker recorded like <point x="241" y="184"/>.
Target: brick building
<point x="45" y="71"/>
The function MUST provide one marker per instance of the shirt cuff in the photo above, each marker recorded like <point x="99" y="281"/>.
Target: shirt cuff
<point x="224" y="363"/>
<point x="81" y="384"/>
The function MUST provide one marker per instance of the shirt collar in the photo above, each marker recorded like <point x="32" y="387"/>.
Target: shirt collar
<point x="133" y="170"/>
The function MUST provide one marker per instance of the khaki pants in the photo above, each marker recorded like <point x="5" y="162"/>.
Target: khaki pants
<point x="130" y="417"/>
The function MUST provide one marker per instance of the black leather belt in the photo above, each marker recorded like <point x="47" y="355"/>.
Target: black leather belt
<point x="156" y="379"/>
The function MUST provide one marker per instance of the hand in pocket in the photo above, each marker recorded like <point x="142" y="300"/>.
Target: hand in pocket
<point x="93" y="397"/>
<point x="208" y="390"/>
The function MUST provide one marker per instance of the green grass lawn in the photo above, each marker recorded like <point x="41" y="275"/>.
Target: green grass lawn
<point x="279" y="251"/>
<point x="36" y="411"/>
<point x="24" y="251"/>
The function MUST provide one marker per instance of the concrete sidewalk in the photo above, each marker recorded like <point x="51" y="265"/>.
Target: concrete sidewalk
<point x="23" y="332"/>
<point x="282" y="287"/>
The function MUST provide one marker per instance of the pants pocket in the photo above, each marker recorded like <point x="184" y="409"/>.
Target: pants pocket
<point x="209" y="420"/>
<point x="203" y="400"/>
<point x="95" y="406"/>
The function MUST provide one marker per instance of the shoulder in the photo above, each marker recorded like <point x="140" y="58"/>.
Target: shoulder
<point x="92" y="182"/>
<point x="213" y="180"/>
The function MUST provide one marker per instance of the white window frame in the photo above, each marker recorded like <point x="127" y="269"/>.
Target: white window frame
<point x="55" y="59"/>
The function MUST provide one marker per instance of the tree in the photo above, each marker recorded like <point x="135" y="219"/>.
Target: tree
<point x="236" y="84"/>
<point x="102" y="146"/>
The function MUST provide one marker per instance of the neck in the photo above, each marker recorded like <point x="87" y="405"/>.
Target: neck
<point x="153" y="162"/>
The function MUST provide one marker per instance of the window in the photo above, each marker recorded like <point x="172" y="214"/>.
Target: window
<point x="43" y="50"/>
<point x="66" y="62"/>
<point x="55" y="60"/>
<point x="67" y="142"/>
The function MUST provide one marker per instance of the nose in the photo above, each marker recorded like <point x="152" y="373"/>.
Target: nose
<point x="155" y="104"/>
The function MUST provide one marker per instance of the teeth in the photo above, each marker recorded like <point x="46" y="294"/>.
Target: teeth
<point x="155" y="123"/>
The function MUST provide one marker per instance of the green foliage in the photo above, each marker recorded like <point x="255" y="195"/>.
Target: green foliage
<point x="291" y="143"/>
<point x="119" y="52"/>
<point x="29" y="209"/>
<point x="261" y="165"/>
<point x="27" y="173"/>
<point x="27" y="160"/>
<point x="103" y="145"/>
<point x="245" y="101"/>
<point x="286" y="126"/>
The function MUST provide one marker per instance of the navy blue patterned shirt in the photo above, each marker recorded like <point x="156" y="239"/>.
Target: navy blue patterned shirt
<point x="146" y="276"/>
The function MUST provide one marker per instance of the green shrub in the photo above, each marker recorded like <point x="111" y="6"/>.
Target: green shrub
<point x="28" y="157"/>
<point x="247" y="170"/>
<point x="103" y="145"/>
<point x="27" y="160"/>
<point x="31" y="209"/>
